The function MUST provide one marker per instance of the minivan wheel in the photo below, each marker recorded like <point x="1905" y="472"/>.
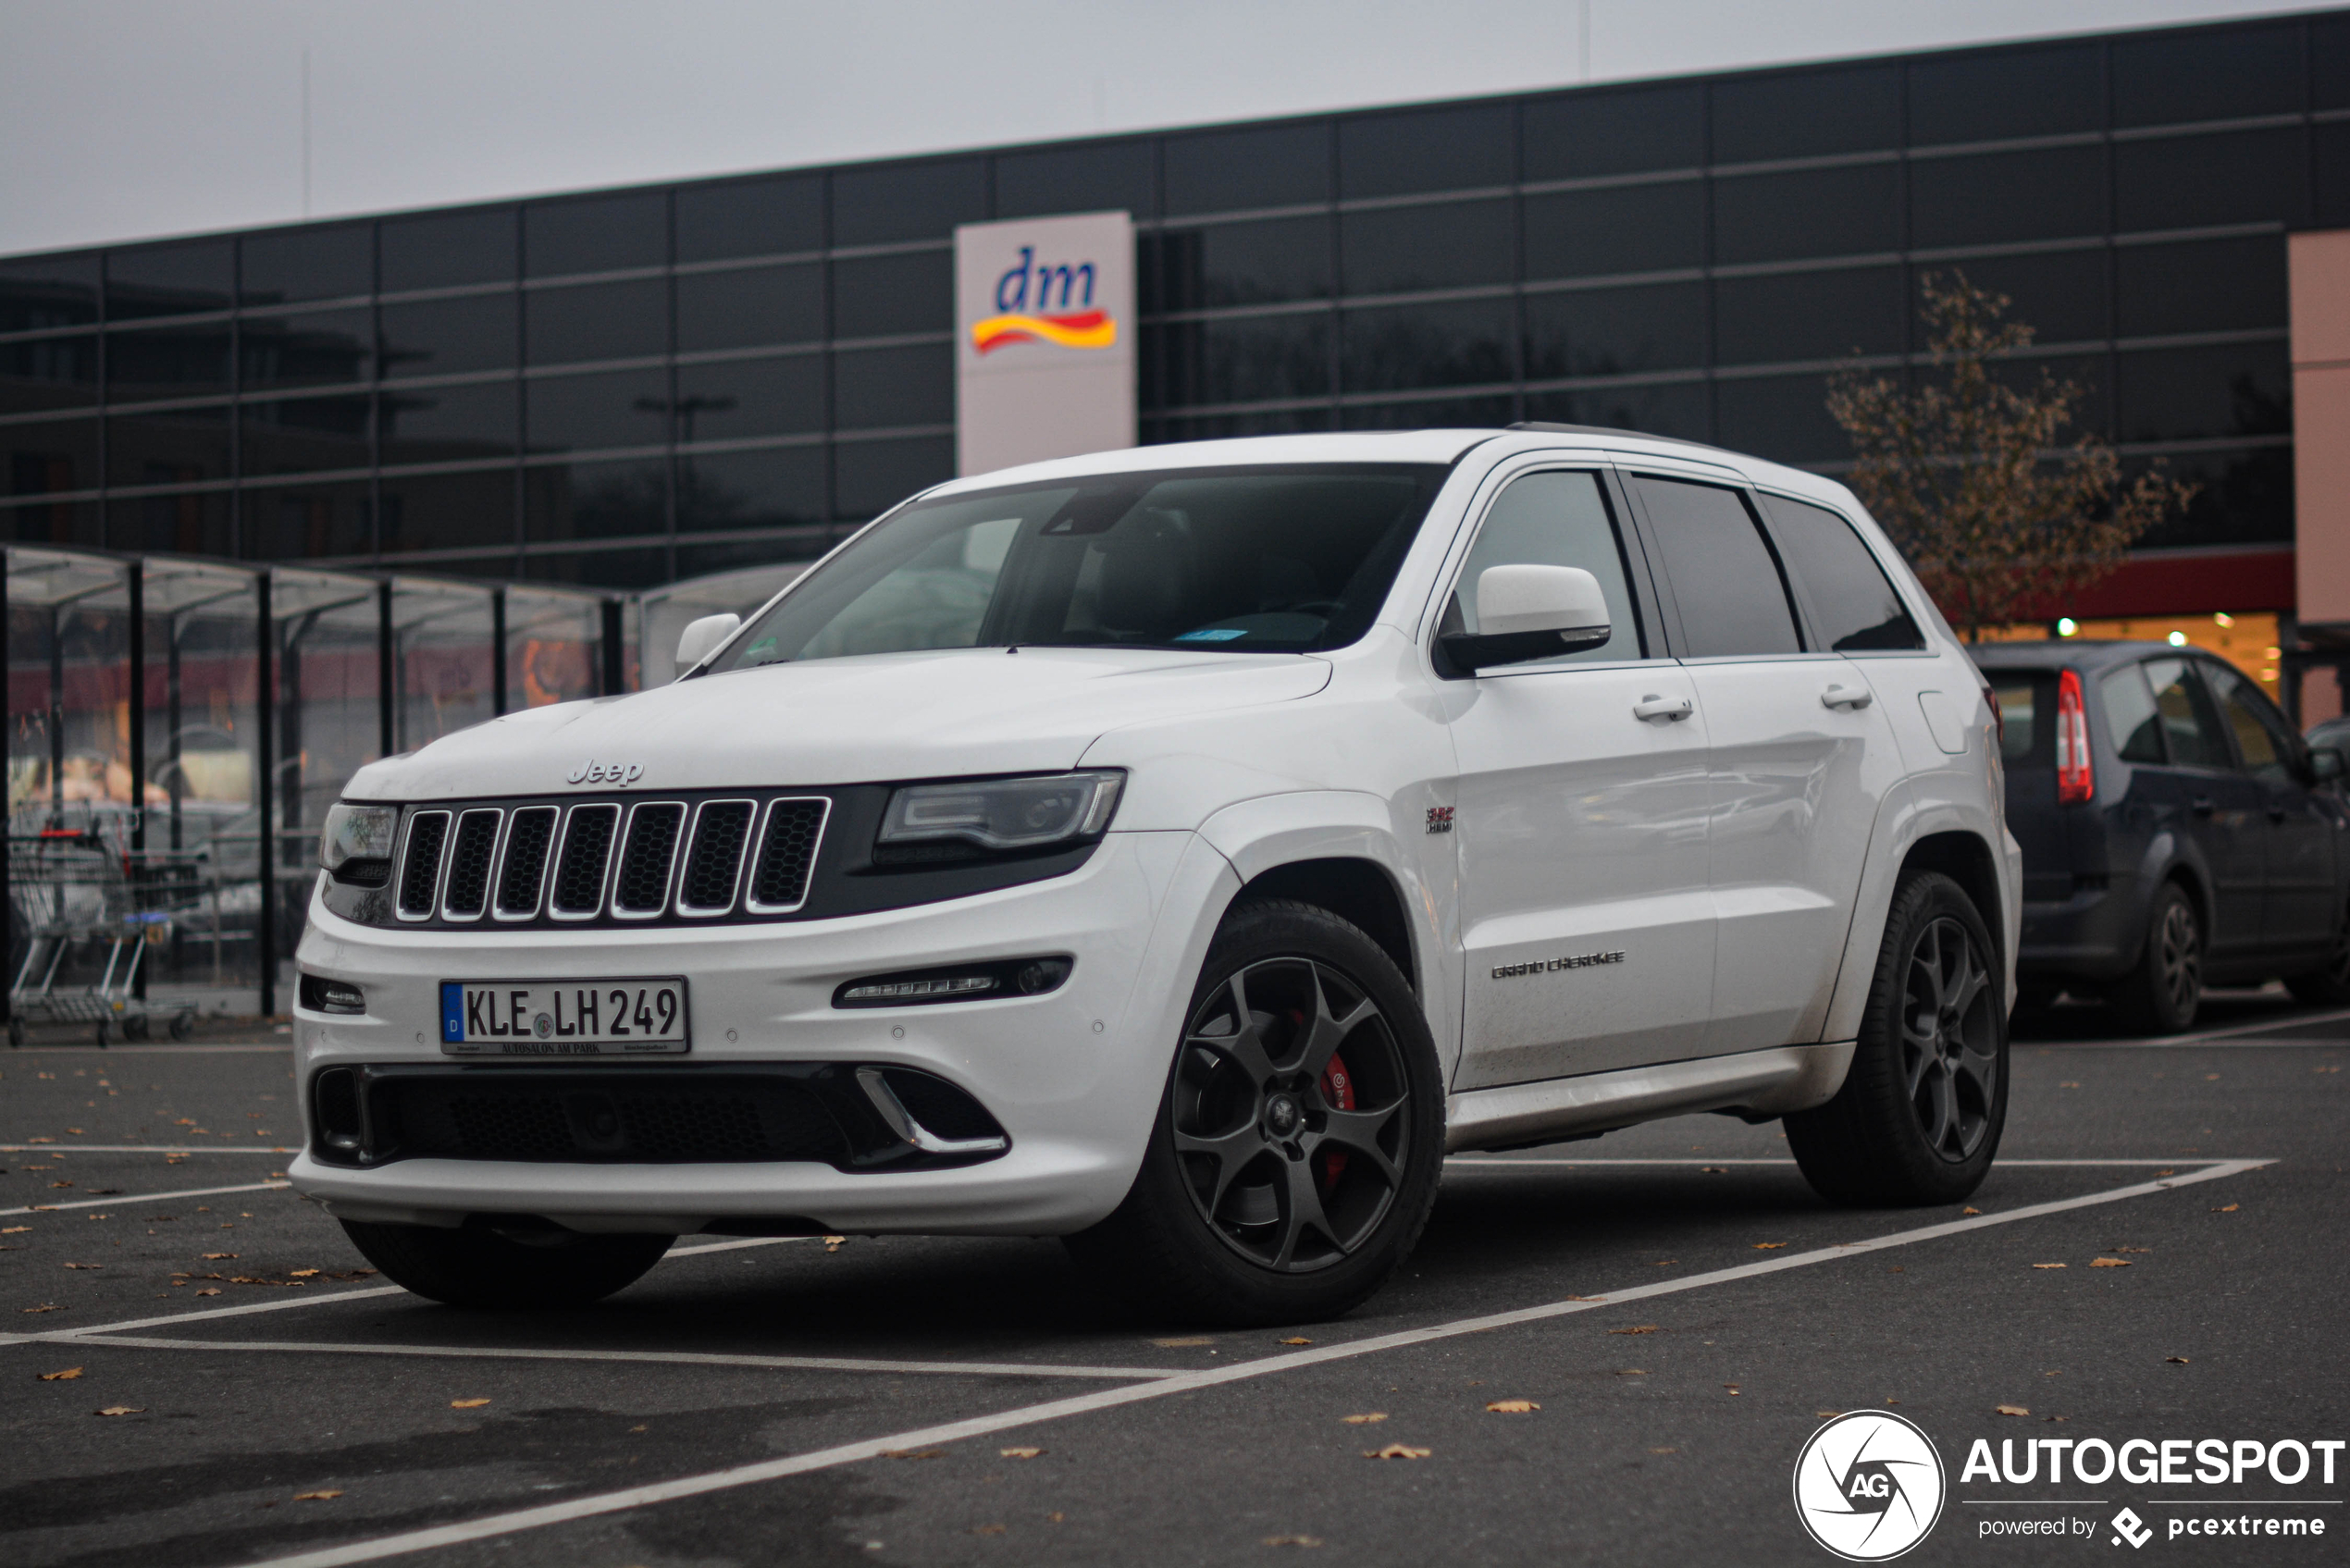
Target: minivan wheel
<point x="485" y="1269"/>
<point x="1919" y="1117"/>
<point x="2160" y="995"/>
<point x="1295" y="1153"/>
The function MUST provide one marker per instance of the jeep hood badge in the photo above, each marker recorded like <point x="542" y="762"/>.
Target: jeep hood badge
<point x="593" y="771"/>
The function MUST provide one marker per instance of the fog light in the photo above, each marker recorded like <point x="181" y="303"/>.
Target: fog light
<point x="321" y="995"/>
<point x="973" y="982"/>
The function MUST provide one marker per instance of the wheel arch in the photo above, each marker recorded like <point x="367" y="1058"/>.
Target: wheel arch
<point x="1963" y="856"/>
<point x="1357" y="890"/>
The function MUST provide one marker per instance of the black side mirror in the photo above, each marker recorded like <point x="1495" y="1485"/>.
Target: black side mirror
<point x="2326" y="765"/>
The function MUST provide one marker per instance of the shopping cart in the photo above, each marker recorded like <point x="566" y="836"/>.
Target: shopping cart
<point x="88" y="904"/>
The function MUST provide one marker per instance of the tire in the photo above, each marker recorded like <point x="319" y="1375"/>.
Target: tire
<point x="483" y="1268"/>
<point x="183" y="1025"/>
<point x="2328" y="987"/>
<point x="135" y="1027"/>
<point x="1292" y="1162"/>
<point x="1919" y="1118"/>
<point x="2160" y="995"/>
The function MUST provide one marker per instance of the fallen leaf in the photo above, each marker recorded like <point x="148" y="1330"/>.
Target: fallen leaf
<point x="215" y="1257"/>
<point x="2176" y="1360"/>
<point x="1827" y="1414"/>
<point x="1512" y="1407"/>
<point x="2068" y="1086"/>
<point x="209" y="1290"/>
<point x="315" y="1497"/>
<point x="1768" y="1246"/>
<point x="61" y="1184"/>
<point x="1054" y="1517"/>
<point x="913" y="1454"/>
<point x="78" y="1133"/>
<point x="1970" y="1211"/>
<point x="1714" y="1170"/>
<point x="1019" y="1453"/>
<point x="2166" y="1173"/>
<point x="2048" y="1265"/>
<point x="1643" y="1329"/>
<point x="66" y="1375"/>
<point x="1664" y="1450"/>
<point x="834" y="1244"/>
<point x="987" y="1529"/>
<point x="1292" y="1540"/>
<point x="14" y="1230"/>
<point x="1397" y="1451"/>
<point x="1667" y="1263"/>
<point x="1732" y="1387"/>
<point x="1294" y="1339"/>
<point x="85" y="1266"/>
<point x="1364" y="1420"/>
<point x="105" y="1191"/>
<point x="2223" y="1208"/>
<point x="640" y="1429"/>
<point x="124" y="1410"/>
<point x="467" y="1404"/>
<point x="2108" y="1263"/>
<point x="300" y="1273"/>
<point x="1634" y="1372"/>
<point x="2012" y="1410"/>
<point x="2207" y="1078"/>
<point x="1181" y="1345"/>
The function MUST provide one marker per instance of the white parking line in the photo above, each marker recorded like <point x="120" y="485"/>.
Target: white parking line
<point x="678" y="1358"/>
<point x="1507" y="1160"/>
<point x="1083" y="1404"/>
<point x="150" y="1197"/>
<point x="225" y="1048"/>
<point x="2199" y="1036"/>
<point x="142" y="1149"/>
<point x="2246" y="1045"/>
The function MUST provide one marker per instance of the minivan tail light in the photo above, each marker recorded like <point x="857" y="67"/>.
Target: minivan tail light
<point x="2077" y="780"/>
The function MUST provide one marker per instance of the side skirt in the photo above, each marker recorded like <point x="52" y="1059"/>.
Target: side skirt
<point x="1760" y="1083"/>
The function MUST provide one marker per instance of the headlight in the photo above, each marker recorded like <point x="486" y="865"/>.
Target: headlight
<point x="358" y="833"/>
<point x="1003" y="814"/>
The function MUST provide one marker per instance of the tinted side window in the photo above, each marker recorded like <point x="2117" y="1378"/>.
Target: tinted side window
<point x="1732" y="600"/>
<point x="2131" y="715"/>
<point x="2189" y="725"/>
<point x="1553" y="520"/>
<point x="2027" y="714"/>
<point x="2262" y="739"/>
<point x="1852" y="603"/>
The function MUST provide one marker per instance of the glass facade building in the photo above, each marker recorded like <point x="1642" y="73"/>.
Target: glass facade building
<point x="620" y="389"/>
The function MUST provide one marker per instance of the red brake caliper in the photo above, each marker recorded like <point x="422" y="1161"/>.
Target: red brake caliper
<point x="1337" y="1092"/>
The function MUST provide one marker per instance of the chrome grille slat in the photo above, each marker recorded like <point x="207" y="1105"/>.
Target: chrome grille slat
<point x="588" y="836"/>
<point x="465" y="890"/>
<point x="714" y="857"/>
<point x="420" y="864"/>
<point x="522" y="873"/>
<point x="788" y="841"/>
<point x="647" y="858"/>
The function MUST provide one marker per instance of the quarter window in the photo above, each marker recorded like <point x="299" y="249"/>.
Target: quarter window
<point x="2189" y="725"/>
<point x="1556" y="519"/>
<point x="1853" y="607"/>
<point x="2131" y="715"/>
<point x="1732" y="600"/>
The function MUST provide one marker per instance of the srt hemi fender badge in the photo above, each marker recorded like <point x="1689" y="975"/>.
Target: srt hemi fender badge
<point x="592" y="772"/>
<point x="1544" y="965"/>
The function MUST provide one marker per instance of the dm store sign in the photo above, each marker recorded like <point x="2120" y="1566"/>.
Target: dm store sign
<point x="1044" y="326"/>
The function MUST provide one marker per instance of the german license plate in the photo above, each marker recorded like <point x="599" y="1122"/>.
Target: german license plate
<point x="564" y="1018"/>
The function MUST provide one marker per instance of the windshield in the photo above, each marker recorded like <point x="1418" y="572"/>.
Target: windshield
<point x="1289" y="558"/>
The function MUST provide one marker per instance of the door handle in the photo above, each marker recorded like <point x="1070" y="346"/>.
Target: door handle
<point x="1655" y="707"/>
<point x="2202" y="805"/>
<point x="1853" y="697"/>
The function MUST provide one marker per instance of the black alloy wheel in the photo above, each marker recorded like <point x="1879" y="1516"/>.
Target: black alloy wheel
<point x="1288" y="1114"/>
<point x="2161" y="995"/>
<point x="1949" y="1039"/>
<point x="1299" y="1137"/>
<point x="1924" y="1102"/>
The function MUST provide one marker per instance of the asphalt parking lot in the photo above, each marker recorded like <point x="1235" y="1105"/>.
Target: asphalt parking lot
<point x="1673" y="1303"/>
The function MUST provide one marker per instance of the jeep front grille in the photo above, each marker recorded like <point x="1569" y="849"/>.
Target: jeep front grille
<point x="612" y="860"/>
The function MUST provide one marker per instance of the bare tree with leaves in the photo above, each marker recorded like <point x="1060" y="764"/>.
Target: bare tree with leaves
<point x="1965" y="472"/>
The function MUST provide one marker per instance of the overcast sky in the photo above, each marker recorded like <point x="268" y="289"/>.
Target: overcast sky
<point x="125" y="118"/>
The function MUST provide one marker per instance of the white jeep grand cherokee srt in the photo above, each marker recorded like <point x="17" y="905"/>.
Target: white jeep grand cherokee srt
<point x="1179" y="851"/>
